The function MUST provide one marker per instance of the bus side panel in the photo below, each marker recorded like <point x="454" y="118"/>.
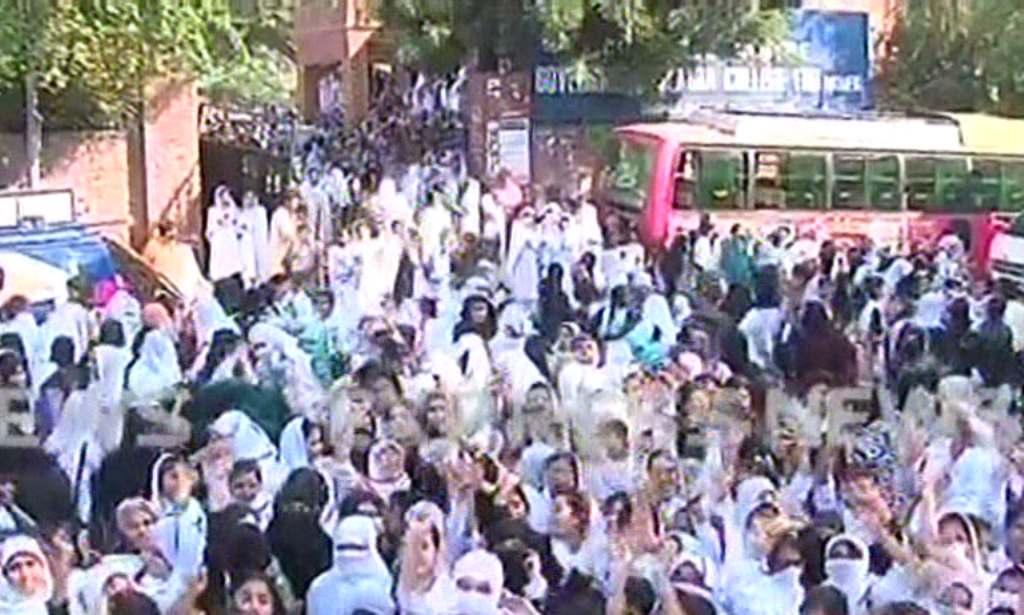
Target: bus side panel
<point x="654" y="229"/>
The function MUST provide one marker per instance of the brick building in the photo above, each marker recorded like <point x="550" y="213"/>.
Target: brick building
<point x="338" y="42"/>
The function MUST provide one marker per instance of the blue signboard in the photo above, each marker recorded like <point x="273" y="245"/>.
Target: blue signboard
<point x="838" y="45"/>
<point x="832" y="72"/>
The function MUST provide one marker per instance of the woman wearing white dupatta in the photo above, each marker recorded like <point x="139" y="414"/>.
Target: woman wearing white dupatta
<point x="294" y="452"/>
<point x="247" y="440"/>
<point x="71" y="320"/>
<point x="112" y="362"/>
<point x="80" y="445"/>
<point x="253" y="241"/>
<point x="359" y="579"/>
<point x="155" y="372"/>
<point x="208" y="317"/>
<point x="424" y="583"/>
<point x="29" y="591"/>
<point x="222" y="232"/>
<point x="181" y="530"/>
<point x="279" y="357"/>
<point x="125" y="309"/>
<point x="23" y="324"/>
<point x="522" y="264"/>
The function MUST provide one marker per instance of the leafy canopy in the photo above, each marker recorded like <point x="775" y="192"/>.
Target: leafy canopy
<point x="957" y="55"/>
<point x="628" y="44"/>
<point x="93" y="58"/>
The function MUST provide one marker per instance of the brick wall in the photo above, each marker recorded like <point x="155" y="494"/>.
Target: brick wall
<point x="119" y="179"/>
<point x="173" y="182"/>
<point x="93" y="164"/>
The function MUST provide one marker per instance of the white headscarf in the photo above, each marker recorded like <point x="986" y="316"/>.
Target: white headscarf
<point x="482" y="567"/>
<point x="79" y="431"/>
<point x="691" y="555"/>
<point x="111" y="365"/>
<point x="72" y="320"/>
<point x="250" y="441"/>
<point x="977" y="478"/>
<point x="24" y="326"/>
<point x="222" y="232"/>
<point x="255" y="217"/>
<point x="180" y="532"/>
<point x="433" y="595"/>
<point x="508" y="353"/>
<point x="359" y="578"/>
<point x="849" y="575"/>
<point x="657" y="311"/>
<point x="750" y="494"/>
<point x="209" y="317"/>
<point x="386" y="486"/>
<point x="286" y="347"/>
<point x="126" y="309"/>
<point x="13" y="602"/>
<point x="393" y="203"/>
<point x="294" y="454"/>
<point x="156" y="371"/>
<point x="86" y="587"/>
<point x="522" y="273"/>
<point x="470" y="203"/>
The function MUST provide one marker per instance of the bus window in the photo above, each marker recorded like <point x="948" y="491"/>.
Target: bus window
<point x="1013" y="185"/>
<point x="769" y="180"/>
<point x="629" y="178"/>
<point x="848" y="191"/>
<point x="884" y="183"/>
<point x="806" y="182"/>
<point x="951" y="180"/>
<point x="985" y="185"/>
<point x="922" y="185"/>
<point x="720" y="177"/>
<point x="685" y="185"/>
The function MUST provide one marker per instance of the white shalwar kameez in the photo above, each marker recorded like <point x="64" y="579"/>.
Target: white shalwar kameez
<point x="222" y="231"/>
<point x="522" y="270"/>
<point x="284" y="239"/>
<point x="254" y="216"/>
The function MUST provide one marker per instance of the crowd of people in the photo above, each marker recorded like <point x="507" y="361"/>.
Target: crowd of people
<point x="471" y="400"/>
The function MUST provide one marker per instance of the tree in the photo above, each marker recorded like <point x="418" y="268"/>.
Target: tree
<point x="957" y="55"/>
<point x="438" y="36"/>
<point x="93" y="58"/>
<point x="627" y="44"/>
<point x="632" y="44"/>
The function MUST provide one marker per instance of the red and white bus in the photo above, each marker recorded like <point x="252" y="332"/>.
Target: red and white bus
<point x="899" y="180"/>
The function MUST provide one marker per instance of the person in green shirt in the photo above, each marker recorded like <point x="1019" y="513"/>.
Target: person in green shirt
<point x="321" y="340"/>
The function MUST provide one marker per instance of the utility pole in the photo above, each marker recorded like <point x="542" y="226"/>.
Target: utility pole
<point x="33" y="119"/>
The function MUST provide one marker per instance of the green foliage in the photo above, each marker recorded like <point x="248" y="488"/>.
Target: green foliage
<point x="438" y="36"/>
<point x="93" y="58"/>
<point x="628" y="45"/>
<point x="958" y="55"/>
<point x="632" y="44"/>
<point x="257" y="81"/>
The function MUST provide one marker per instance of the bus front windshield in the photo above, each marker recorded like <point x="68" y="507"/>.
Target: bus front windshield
<point x="628" y="176"/>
